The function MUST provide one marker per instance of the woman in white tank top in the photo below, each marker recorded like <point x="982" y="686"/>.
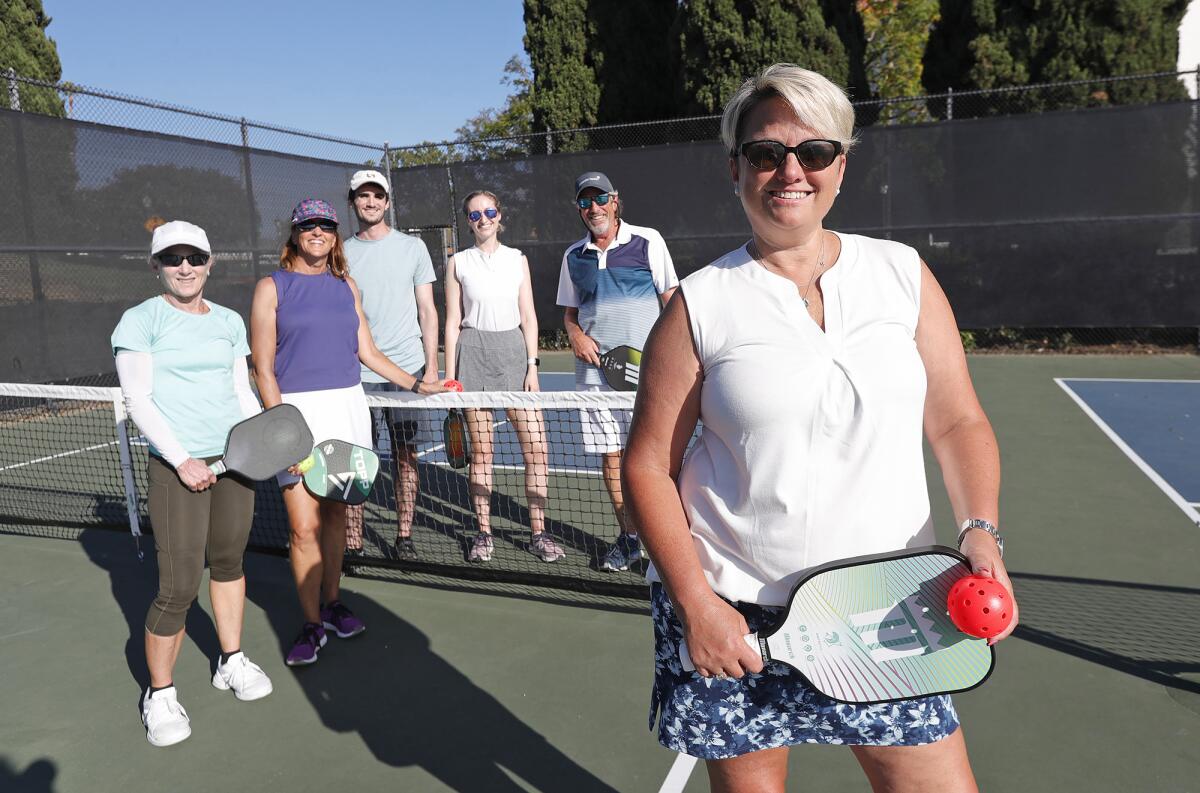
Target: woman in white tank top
<point x="491" y="345"/>
<point x="813" y="360"/>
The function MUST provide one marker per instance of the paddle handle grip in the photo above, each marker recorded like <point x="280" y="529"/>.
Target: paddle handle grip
<point x="218" y="467"/>
<point x="685" y="658"/>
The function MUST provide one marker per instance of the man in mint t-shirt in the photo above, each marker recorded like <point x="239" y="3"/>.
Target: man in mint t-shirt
<point x="395" y="276"/>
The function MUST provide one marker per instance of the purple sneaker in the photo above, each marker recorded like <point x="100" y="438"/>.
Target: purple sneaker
<point x="311" y="639"/>
<point x="341" y="620"/>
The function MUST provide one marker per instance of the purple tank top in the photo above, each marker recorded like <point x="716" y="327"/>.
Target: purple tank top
<point x="316" y="333"/>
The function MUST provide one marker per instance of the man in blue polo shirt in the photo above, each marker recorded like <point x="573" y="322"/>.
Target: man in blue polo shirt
<point x="395" y="276"/>
<point x="612" y="286"/>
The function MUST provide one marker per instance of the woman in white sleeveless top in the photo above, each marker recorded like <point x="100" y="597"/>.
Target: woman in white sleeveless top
<point x="814" y="360"/>
<point x="491" y="345"/>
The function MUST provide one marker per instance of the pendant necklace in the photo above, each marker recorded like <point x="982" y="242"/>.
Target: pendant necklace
<point x="812" y="277"/>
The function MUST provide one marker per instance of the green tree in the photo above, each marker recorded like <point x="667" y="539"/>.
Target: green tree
<point x="634" y="68"/>
<point x="896" y="35"/>
<point x="565" y="93"/>
<point x="722" y="42"/>
<point x="513" y="119"/>
<point x="989" y="44"/>
<point x="26" y="49"/>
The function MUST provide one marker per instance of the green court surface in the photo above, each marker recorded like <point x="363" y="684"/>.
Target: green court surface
<point x="486" y="687"/>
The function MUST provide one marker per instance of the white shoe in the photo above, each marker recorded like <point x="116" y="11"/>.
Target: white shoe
<point x="246" y="678"/>
<point x="165" y="719"/>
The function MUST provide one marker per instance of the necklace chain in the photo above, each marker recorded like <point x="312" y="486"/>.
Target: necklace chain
<point x="812" y="276"/>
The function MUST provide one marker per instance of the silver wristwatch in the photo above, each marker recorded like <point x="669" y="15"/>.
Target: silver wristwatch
<point x="976" y="523"/>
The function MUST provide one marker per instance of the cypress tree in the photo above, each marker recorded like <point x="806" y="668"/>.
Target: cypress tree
<point x="722" y="42"/>
<point x="990" y="44"/>
<point x="27" y="50"/>
<point x="565" y="91"/>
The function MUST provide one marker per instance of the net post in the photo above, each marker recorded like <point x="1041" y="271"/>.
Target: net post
<point x="131" y="501"/>
<point x="950" y="103"/>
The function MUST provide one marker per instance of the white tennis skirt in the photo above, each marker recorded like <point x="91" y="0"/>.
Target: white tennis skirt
<point x="333" y="414"/>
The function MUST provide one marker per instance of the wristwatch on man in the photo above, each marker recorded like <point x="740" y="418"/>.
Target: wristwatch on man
<point x="977" y="523"/>
<point x="534" y="361"/>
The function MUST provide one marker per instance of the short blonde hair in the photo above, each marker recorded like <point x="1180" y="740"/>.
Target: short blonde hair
<point x="816" y="101"/>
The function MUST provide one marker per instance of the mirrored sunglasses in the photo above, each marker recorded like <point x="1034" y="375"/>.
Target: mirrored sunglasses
<point x="601" y="200"/>
<point x="475" y="215"/>
<point x="174" y="259"/>
<point x="814" y="155"/>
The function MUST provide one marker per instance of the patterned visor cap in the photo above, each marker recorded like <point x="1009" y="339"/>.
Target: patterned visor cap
<point x="313" y="208"/>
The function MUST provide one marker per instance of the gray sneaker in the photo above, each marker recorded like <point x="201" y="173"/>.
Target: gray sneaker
<point x="481" y="548"/>
<point x="623" y="553"/>
<point x="544" y="548"/>
<point x="405" y="550"/>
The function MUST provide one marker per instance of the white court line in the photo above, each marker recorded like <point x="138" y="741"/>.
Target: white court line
<point x="1171" y="493"/>
<point x="677" y="777"/>
<point x="57" y="456"/>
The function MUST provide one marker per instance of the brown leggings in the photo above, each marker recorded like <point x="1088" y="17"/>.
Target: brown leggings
<point x="187" y="527"/>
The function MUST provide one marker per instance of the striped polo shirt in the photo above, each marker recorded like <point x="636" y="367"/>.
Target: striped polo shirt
<point x="616" y="290"/>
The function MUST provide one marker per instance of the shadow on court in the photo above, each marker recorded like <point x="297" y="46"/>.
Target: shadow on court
<point x="1144" y="630"/>
<point x="134" y="585"/>
<point x="413" y="708"/>
<point x="37" y="778"/>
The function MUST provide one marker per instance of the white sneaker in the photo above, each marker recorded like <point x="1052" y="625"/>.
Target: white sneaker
<point x="246" y="678"/>
<point x="165" y="719"/>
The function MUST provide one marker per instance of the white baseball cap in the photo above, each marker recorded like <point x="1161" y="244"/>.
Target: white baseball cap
<point x="179" y="232"/>
<point x="369" y="177"/>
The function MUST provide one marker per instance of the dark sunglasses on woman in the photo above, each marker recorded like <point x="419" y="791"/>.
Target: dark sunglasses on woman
<point x="174" y="259"/>
<point x="600" y="200"/>
<point x="491" y="212"/>
<point x="767" y="155"/>
<point x="323" y="225"/>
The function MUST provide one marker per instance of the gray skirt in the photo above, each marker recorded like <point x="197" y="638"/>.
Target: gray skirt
<point x="491" y="360"/>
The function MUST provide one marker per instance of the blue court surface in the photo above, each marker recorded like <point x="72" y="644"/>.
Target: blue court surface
<point x="1156" y="423"/>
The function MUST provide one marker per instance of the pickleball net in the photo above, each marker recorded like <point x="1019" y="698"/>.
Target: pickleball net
<point x="70" y="459"/>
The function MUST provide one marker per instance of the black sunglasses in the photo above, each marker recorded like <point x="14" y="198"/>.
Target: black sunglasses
<point x="491" y="212"/>
<point x="601" y="200"/>
<point x="323" y="225"/>
<point x="174" y="259"/>
<point x="767" y="155"/>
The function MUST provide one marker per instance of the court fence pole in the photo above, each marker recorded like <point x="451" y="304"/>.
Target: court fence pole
<point x="14" y="93"/>
<point x="387" y="170"/>
<point x="251" y="214"/>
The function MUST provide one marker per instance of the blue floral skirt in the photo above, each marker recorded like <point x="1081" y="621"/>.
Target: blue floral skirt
<point x="718" y="719"/>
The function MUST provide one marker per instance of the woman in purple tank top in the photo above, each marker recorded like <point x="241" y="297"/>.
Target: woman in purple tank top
<point x="307" y="337"/>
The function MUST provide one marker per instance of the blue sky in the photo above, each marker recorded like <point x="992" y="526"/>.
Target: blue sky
<point x="401" y="71"/>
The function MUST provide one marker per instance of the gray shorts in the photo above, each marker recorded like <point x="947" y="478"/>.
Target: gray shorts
<point x="404" y="423"/>
<point x="492" y="360"/>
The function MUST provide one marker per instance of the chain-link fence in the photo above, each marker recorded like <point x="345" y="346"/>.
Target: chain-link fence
<point x="1054" y="216"/>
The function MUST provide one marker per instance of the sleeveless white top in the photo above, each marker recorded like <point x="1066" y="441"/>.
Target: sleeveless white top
<point x="490" y="286"/>
<point x="811" y="443"/>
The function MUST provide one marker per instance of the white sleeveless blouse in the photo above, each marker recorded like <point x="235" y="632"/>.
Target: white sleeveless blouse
<point x="811" y="442"/>
<point x="490" y="286"/>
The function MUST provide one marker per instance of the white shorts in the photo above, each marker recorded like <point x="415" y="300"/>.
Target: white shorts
<point x="604" y="430"/>
<point x="333" y="414"/>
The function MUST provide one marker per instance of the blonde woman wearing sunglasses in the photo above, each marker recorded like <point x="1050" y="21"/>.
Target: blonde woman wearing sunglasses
<point x="491" y="345"/>
<point x="854" y="351"/>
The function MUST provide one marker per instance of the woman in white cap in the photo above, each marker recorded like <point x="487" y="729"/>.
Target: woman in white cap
<point x="181" y="361"/>
<point x="491" y="345"/>
<point x="308" y="336"/>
